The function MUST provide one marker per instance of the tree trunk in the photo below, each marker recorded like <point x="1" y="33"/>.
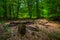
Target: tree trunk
<point x="18" y="8"/>
<point x="10" y="10"/>
<point x="5" y="9"/>
<point x="37" y="8"/>
<point x="29" y="8"/>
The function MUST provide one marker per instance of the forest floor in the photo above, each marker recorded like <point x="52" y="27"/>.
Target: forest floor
<point x="40" y="29"/>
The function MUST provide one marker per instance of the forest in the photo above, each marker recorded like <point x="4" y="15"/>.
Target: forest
<point x="16" y="9"/>
<point x="29" y="19"/>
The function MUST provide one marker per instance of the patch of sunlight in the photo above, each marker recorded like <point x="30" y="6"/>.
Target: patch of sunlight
<point x="33" y="16"/>
<point x="45" y="11"/>
<point x="45" y="14"/>
<point x="24" y="15"/>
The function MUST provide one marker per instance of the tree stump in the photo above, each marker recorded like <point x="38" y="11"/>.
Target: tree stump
<point x="22" y="29"/>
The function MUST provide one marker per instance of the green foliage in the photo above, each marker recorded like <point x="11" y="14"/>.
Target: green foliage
<point x="7" y="28"/>
<point x="49" y="9"/>
<point x="6" y="31"/>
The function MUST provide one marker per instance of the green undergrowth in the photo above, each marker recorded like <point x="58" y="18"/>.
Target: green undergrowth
<point x="6" y="31"/>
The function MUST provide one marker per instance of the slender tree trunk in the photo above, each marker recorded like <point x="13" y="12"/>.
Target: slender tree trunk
<point x="29" y="8"/>
<point x="37" y="8"/>
<point x="18" y="8"/>
<point x="13" y="10"/>
<point x="5" y="9"/>
<point x="10" y="10"/>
